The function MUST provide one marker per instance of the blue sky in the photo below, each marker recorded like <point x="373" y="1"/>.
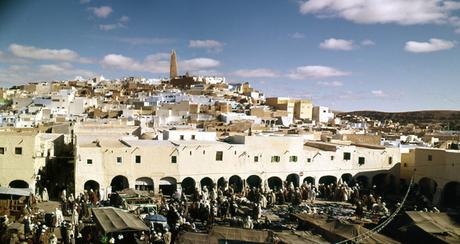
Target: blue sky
<point x="393" y="55"/>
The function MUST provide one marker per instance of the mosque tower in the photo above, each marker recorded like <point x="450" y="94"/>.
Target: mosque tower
<point x="173" y="65"/>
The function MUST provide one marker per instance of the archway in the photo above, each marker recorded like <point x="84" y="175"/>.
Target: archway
<point x="168" y="185"/>
<point x="119" y="183"/>
<point x="363" y="181"/>
<point x="451" y="195"/>
<point x="294" y="178"/>
<point x="327" y="180"/>
<point x="309" y="180"/>
<point x="275" y="183"/>
<point x="380" y="181"/>
<point x="254" y="181"/>
<point x="221" y="182"/>
<point x="144" y="184"/>
<point x="91" y="185"/>
<point x="18" y="184"/>
<point x="236" y="182"/>
<point x="188" y="185"/>
<point x="347" y="178"/>
<point x="207" y="182"/>
<point x="427" y="187"/>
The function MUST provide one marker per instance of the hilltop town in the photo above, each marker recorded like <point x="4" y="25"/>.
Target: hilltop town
<point x="186" y="134"/>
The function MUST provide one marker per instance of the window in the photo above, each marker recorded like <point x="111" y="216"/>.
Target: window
<point x="256" y="159"/>
<point x="219" y="155"/>
<point x="18" y="150"/>
<point x="390" y="160"/>
<point x="119" y="160"/>
<point x="193" y="137"/>
<point x="190" y="153"/>
<point x="275" y="159"/>
<point x="235" y="152"/>
<point x="138" y="159"/>
<point x="89" y="161"/>
<point x="2" y="150"/>
<point x="405" y="165"/>
<point x="332" y="158"/>
<point x="308" y="160"/>
<point x="204" y="152"/>
<point x="292" y="158"/>
<point x="346" y="156"/>
<point x="173" y="159"/>
<point x="181" y="137"/>
<point x="361" y="160"/>
<point x="430" y="157"/>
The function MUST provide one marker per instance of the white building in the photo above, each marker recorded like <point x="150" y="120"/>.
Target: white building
<point x="322" y="114"/>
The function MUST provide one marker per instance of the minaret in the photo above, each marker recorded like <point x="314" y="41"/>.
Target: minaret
<point x="173" y="65"/>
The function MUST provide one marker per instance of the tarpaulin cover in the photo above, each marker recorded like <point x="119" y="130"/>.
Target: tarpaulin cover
<point x="438" y="224"/>
<point x="221" y="233"/>
<point x="116" y="220"/>
<point x="336" y="230"/>
<point x="15" y="191"/>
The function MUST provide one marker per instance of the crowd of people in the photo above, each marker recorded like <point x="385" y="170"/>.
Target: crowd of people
<point x="197" y="211"/>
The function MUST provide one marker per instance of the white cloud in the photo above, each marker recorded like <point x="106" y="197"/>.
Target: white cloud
<point x="367" y="42"/>
<point x="330" y="83"/>
<point x="46" y="54"/>
<point x="124" y="18"/>
<point x="404" y="12"/>
<point x="256" y="73"/>
<point x="102" y="12"/>
<point x="143" y="40"/>
<point x="19" y="74"/>
<point x="156" y="63"/>
<point x="210" y="45"/>
<point x="198" y="63"/>
<point x="378" y="93"/>
<point x="8" y="58"/>
<point x="337" y="44"/>
<point x="108" y="27"/>
<point x="432" y="45"/>
<point x="315" y="72"/>
<point x="297" y="35"/>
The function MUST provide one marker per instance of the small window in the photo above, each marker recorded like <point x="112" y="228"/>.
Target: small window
<point x="346" y="156"/>
<point x="361" y="160"/>
<point x="308" y="160"/>
<point x="193" y="137"/>
<point x="390" y="160"/>
<point x="256" y="159"/>
<point x="332" y="158"/>
<point x="405" y="165"/>
<point x="89" y="161"/>
<point x="119" y="160"/>
<point x="138" y="159"/>
<point x="430" y="157"/>
<point x="235" y="152"/>
<point x="181" y="137"/>
<point x="292" y="158"/>
<point x="275" y="159"/>
<point x="204" y="152"/>
<point x="173" y="159"/>
<point x="18" y="150"/>
<point x="2" y="150"/>
<point x="219" y="155"/>
<point x="190" y="153"/>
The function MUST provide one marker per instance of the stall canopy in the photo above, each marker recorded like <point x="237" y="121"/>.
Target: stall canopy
<point x="439" y="225"/>
<point x="15" y="191"/>
<point x="116" y="220"/>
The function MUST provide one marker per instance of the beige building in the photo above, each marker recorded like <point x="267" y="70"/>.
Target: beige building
<point x="303" y="109"/>
<point x="111" y="164"/>
<point x="23" y="154"/>
<point x="436" y="171"/>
